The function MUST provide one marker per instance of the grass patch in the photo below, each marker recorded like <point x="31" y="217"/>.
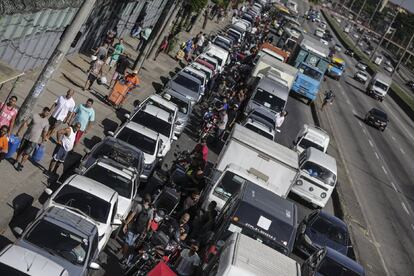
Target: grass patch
<point x="399" y="92"/>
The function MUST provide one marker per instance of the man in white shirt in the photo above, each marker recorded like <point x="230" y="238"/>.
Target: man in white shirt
<point x="280" y="118"/>
<point x="61" y="109"/>
<point x="188" y="261"/>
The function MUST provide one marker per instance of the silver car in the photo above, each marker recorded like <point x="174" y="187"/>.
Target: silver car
<point x="184" y="109"/>
<point x="187" y="85"/>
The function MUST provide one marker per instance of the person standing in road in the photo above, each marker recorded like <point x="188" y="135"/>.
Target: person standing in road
<point x="37" y="127"/>
<point x="65" y="140"/>
<point x="102" y="50"/>
<point x="120" y="69"/>
<point x="85" y="115"/>
<point x="8" y="113"/>
<point x="118" y="50"/>
<point x="62" y="110"/>
<point x="4" y="142"/>
<point x="188" y="261"/>
<point x="222" y="124"/>
<point x="163" y="47"/>
<point x="280" y="118"/>
<point x="145" y="34"/>
<point x="199" y="43"/>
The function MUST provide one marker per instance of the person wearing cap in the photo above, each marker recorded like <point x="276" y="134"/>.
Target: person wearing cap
<point x="132" y="80"/>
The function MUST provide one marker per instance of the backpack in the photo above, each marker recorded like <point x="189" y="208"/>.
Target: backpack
<point x="141" y="220"/>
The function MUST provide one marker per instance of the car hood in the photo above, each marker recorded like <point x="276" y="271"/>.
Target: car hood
<point x="320" y="240"/>
<point x="124" y="205"/>
<point x="148" y="158"/>
<point x="189" y="94"/>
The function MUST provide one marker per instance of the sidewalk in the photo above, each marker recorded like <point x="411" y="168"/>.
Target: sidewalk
<point x="72" y="74"/>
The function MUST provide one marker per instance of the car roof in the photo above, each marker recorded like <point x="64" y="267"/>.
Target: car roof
<point x="186" y="75"/>
<point x="210" y="58"/>
<point x="91" y="186"/>
<point x="115" y="167"/>
<point x="200" y="66"/>
<point x="273" y="87"/>
<point x="317" y="156"/>
<point x="193" y="70"/>
<point x="142" y="130"/>
<point x="177" y="95"/>
<point x="344" y="260"/>
<point x="30" y="262"/>
<point x="169" y="105"/>
<point x="158" y="112"/>
<point x="378" y="111"/>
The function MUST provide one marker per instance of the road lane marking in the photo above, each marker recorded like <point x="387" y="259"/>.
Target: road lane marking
<point x="402" y="151"/>
<point x="393" y="138"/>
<point x="395" y="188"/>
<point x="385" y="171"/>
<point x="405" y="208"/>
<point x="360" y="123"/>
<point x="370" y="143"/>
<point x="412" y="226"/>
<point x="348" y="102"/>
<point x="376" y="155"/>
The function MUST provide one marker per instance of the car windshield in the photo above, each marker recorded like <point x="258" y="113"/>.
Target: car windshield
<point x="58" y="241"/>
<point x="381" y="85"/>
<point x="379" y="114"/>
<point x="338" y="65"/>
<point x="329" y="267"/>
<point x="197" y="76"/>
<point x="269" y="100"/>
<point x="305" y="143"/>
<point x="187" y="83"/>
<point x="332" y="232"/>
<point x="156" y="124"/>
<point x="363" y="73"/>
<point x="259" y="131"/>
<point x="182" y="105"/>
<point x="208" y="73"/>
<point x="10" y="271"/>
<point x="219" y="60"/>
<point x="89" y="204"/>
<point x="265" y="118"/>
<point x="319" y="172"/>
<point x="225" y="42"/>
<point x="229" y="184"/>
<point x="310" y="72"/>
<point x="120" y="184"/>
<point x="136" y="139"/>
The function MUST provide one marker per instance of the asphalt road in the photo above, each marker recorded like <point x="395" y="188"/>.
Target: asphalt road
<point x="379" y="166"/>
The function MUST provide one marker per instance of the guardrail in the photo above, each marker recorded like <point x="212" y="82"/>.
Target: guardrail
<point x="405" y="102"/>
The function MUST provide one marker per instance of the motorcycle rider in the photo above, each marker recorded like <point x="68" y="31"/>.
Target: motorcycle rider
<point x="329" y="98"/>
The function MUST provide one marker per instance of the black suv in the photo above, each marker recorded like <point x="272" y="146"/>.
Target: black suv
<point x="377" y="118"/>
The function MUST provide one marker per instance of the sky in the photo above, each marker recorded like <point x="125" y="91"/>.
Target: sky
<point x="408" y="4"/>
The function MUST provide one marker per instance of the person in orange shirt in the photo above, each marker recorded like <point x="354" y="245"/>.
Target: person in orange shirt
<point x="132" y="80"/>
<point x="4" y="142"/>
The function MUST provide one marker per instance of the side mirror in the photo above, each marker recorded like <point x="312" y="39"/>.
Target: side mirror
<point x="18" y="230"/>
<point x="48" y="191"/>
<point x="127" y="116"/>
<point x="79" y="170"/>
<point x="143" y="177"/>
<point x="94" y="266"/>
<point x="111" y="133"/>
<point x="116" y="221"/>
<point x="175" y="138"/>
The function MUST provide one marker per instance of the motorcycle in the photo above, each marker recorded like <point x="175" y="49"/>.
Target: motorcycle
<point x="329" y="98"/>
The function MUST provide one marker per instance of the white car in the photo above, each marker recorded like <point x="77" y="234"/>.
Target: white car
<point x="199" y="75"/>
<point x="361" y="66"/>
<point x="356" y="35"/>
<point x="389" y="69"/>
<point x="361" y="76"/>
<point x="144" y="139"/>
<point x="158" y="101"/>
<point x="158" y="120"/>
<point x="80" y="194"/>
<point x="324" y="42"/>
<point x="218" y="53"/>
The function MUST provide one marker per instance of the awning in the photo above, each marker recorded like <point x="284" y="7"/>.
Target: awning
<point x="7" y="73"/>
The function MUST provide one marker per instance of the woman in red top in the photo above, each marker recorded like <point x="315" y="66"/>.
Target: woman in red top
<point x="8" y="113"/>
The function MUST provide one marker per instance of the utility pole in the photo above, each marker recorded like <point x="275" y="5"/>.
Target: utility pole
<point x="403" y="54"/>
<point x="383" y="36"/>
<point x="369" y="21"/>
<point x="54" y="61"/>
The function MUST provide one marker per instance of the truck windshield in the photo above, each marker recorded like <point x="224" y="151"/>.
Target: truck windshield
<point x="305" y="143"/>
<point x="330" y="267"/>
<point x="229" y="184"/>
<point x="269" y="100"/>
<point x="319" y="172"/>
<point x="338" y="65"/>
<point x="310" y="72"/>
<point x="381" y="85"/>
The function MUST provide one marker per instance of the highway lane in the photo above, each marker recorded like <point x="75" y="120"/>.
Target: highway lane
<point x="379" y="166"/>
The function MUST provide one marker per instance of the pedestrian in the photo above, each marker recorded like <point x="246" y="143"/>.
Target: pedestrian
<point x="137" y="30"/>
<point x="280" y="118"/>
<point x="132" y="80"/>
<point x="188" y="262"/>
<point x="36" y="132"/>
<point x="118" y="50"/>
<point x="94" y="72"/>
<point x="136" y="226"/>
<point x="65" y="140"/>
<point x="8" y="113"/>
<point x="200" y="42"/>
<point x="182" y="227"/>
<point x="192" y="22"/>
<point x="222" y="124"/>
<point x="232" y="116"/>
<point x="206" y="13"/>
<point x="110" y="37"/>
<point x="163" y="47"/>
<point x="145" y="34"/>
<point x="61" y="110"/>
<point x="120" y="69"/>
<point x="102" y="50"/>
<point x="188" y="48"/>
<point x="4" y="142"/>
<point x="202" y="149"/>
<point x="85" y="115"/>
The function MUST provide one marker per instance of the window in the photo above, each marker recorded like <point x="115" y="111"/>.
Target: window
<point x="136" y="139"/>
<point x="305" y="143"/>
<point x="156" y="124"/>
<point x="269" y="100"/>
<point x="310" y="72"/>
<point x="319" y="172"/>
<point x="187" y="83"/>
<point x="259" y="131"/>
<point x="113" y="180"/>
<point x="230" y="184"/>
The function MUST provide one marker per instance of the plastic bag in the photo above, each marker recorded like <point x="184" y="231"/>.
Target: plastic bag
<point x="38" y="153"/>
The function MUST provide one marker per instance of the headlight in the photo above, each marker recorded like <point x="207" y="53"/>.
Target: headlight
<point x="323" y="195"/>
<point x="299" y="182"/>
<point x="307" y="239"/>
<point x="145" y="256"/>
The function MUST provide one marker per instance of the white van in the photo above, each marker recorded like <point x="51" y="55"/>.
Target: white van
<point x="311" y="136"/>
<point x="218" y="53"/>
<point x="317" y="179"/>
<point x="243" y="256"/>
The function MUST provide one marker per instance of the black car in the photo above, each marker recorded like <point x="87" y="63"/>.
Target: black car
<point x="410" y="84"/>
<point x="377" y="118"/>
<point x="321" y="229"/>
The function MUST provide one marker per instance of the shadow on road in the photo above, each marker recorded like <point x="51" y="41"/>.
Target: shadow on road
<point x="4" y="242"/>
<point x="355" y="86"/>
<point x="158" y="87"/>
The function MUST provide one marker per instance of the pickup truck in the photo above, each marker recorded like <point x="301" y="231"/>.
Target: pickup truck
<point x="361" y="76"/>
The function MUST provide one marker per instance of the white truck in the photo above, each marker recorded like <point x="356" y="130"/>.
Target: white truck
<point x="311" y="136"/>
<point x="241" y="255"/>
<point x="266" y="64"/>
<point x="248" y="156"/>
<point x="379" y="85"/>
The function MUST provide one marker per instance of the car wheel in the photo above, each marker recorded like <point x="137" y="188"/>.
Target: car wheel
<point x="381" y="99"/>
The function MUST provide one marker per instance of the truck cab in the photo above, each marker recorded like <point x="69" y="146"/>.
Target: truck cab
<point x="336" y="68"/>
<point x="311" y="136"/>
<point x="379" y="86"/>
<point x="318" y="176"/>
<point x="242" y="255"/>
